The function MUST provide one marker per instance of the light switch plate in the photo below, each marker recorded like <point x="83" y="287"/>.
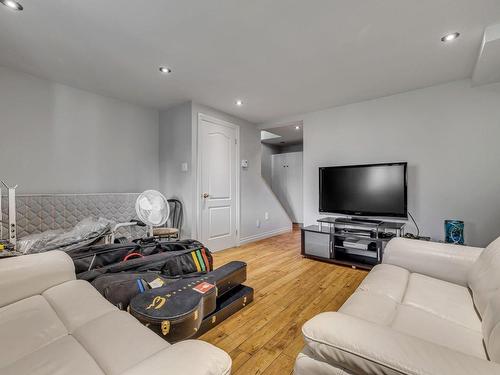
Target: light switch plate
<point x="184" y="167"/>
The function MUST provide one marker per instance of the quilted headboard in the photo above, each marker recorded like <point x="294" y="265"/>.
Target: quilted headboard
<point x="37" y="213"/>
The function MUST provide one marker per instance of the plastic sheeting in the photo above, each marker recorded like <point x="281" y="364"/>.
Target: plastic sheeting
<point x="84" y="233"/>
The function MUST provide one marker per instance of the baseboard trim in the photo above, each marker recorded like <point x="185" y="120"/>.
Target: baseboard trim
<point x="263" y="235"/>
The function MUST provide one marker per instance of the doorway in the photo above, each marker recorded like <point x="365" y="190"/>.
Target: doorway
<point x="282" y="166"/>
<point x="218" y="183"/>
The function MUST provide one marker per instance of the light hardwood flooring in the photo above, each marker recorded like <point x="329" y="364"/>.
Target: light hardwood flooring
<point x="265" y="337"/>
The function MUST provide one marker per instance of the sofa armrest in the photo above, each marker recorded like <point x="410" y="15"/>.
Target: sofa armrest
<point x="439" y="260"/>
<point x="193" y="357"/>
<point x="362" y="347"/>
<point x="27" y="275"/>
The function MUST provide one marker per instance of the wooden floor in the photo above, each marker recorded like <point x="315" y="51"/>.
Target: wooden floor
<point x="265" y="337"/>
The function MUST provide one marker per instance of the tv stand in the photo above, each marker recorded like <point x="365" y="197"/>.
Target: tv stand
<point x="358" y="243"/>
<point x="368" y="221"/>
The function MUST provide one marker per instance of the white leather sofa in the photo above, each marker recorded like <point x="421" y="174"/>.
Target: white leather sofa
<point x="429" y="309"/>
<point x="52" y="324"/>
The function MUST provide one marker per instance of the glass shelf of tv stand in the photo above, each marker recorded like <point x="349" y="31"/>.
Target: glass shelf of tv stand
<point x="358" y="236"/>
<point x="334" y="225"/>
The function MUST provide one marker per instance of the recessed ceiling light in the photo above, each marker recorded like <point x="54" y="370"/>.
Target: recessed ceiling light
<point x="239" y="102"/>
<point x="165" y="70"/>
<point x="14" y="5"/>
<point x="450" y="37"/>
<point x="297" y="127"/>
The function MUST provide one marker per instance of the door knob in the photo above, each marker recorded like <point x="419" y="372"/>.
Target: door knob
<point x="205" y="195"/>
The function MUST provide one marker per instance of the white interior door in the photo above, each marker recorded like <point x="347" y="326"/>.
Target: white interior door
<point x="218" y="183"/>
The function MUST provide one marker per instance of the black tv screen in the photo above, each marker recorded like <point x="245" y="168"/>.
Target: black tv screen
<point x="364" y="190"/>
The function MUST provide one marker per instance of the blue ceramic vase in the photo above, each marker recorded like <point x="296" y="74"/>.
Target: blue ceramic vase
<point x="454" y="231"/>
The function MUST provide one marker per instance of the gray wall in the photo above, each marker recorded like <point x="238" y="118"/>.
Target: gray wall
<point x="267" y="152"/>
<point x="57" y="139"/>
<point x="449" y="134"/>
<point x="175" y="149"/>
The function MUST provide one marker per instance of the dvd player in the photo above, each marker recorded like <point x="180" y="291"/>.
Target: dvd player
<point x="359" y="244"/>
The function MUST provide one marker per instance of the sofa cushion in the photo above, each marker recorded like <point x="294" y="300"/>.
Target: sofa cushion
<point x="27" y="276"/>
<point x="484" y="276"/>
<point x="27" y="326"/>
<point x="430" y="327"/>
<point x="378" y="295"/>
<point x="387" y="280"/>
<point x="447" y="301"/>
<point x="61" y="357"/>
<point x="442" y="261"/>
<point x="185" y="357"/>
<point x="117" y="341"/>
<point x="77" y="303"/>
<point x="375" y="308"/>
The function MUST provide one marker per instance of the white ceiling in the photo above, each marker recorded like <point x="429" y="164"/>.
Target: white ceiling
<point x="281" y="57"/>
<point x="288" y="135"/>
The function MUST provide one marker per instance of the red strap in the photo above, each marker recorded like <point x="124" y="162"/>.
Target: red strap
<point x="131" y="255"/>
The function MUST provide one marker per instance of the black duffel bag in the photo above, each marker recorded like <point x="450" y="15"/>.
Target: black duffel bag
<point x="170" y="259"/>
<point x="97" y="256"/>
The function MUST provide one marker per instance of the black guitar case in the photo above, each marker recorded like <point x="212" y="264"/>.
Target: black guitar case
<point x="227" y="305"/>
<point x="177" y="310"/>
<point x="119" y="288"/>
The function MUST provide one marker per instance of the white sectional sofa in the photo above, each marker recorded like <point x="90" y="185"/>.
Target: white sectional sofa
<point x="430" y="309"/>
<point x="52" y="324"/>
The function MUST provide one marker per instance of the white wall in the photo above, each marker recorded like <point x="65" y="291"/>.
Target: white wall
<point x="449" y="134"/>
<point x="57" y="139"/>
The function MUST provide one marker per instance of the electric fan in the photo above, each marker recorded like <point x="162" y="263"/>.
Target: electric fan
<point x="152" y="209"/>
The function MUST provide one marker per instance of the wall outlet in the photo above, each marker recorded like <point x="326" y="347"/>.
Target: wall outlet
<point x="266" y="216"/>
<point x="257" y="223"/>
<point x="184" y="167"/>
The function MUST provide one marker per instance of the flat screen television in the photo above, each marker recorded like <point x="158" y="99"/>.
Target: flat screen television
<point x="378" y="190"/>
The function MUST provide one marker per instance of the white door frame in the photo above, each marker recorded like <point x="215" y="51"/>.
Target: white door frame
<point x="214" y="120"/>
